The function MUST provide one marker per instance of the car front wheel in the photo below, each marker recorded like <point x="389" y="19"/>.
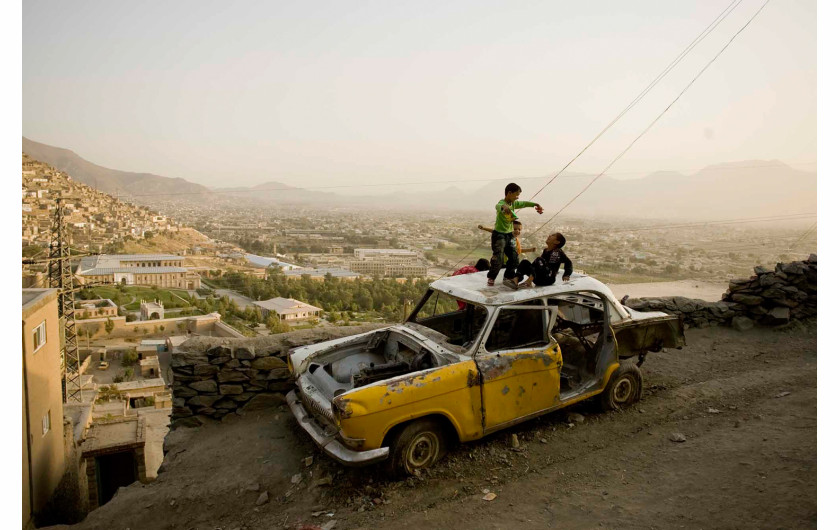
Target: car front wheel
<point x="417" y="445"/>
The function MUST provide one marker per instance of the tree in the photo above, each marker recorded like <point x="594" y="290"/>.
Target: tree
<point x="129" y="358"/>
<point x="109" y="326"/>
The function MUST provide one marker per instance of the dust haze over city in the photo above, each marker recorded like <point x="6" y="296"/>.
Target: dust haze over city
<point x="345" y="155"/>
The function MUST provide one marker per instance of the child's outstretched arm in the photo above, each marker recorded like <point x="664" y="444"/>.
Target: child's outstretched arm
<point x="485" y="228"/>
<point x="528" y="204"/>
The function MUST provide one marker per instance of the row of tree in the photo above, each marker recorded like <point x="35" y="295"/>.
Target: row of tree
<point x="381" y="297"/>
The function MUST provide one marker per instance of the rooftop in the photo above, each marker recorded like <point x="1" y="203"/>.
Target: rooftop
<point x="473" y="288"/>
<point x="113" y="261"/>
<point x="30" y="295"/>
<point x="286" y="305"/>
<point x="35" y="299"/>
<point x="99" y="271"/>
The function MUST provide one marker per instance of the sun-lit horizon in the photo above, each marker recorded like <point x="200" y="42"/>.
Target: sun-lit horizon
<point x="333" y="94"/>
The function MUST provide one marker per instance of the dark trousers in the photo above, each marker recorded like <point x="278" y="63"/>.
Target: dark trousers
<point x="503" y="245"/>
<point x="539" y="271"/>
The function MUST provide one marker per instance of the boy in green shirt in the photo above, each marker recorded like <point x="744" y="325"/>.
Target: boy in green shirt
<point x="501" y="240"/>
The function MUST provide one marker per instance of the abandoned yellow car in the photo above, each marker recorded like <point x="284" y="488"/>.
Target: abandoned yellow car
<point x="471" y="360"/>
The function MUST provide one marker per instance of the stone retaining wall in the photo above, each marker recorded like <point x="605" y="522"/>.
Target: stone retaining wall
<point x="771" y="297"/>
<point x="213" y="377"/>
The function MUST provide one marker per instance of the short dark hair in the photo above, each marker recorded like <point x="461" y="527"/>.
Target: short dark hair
<point x="561" y="239"/>
<point x="517" y="222"/>
<point x="482" y="265"/>
<point x="512" y="188"/>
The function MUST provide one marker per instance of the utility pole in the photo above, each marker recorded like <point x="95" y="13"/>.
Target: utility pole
<point x="61" y="278"/>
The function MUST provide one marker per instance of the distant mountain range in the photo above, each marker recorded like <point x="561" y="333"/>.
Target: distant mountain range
<point x="111" y="181"/>
<point x="732" y="190"/>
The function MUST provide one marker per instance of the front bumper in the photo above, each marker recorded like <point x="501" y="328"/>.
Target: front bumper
<point x="328" y="443"/>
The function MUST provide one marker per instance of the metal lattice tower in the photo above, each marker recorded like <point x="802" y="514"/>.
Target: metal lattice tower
<point x="61" y="278"/>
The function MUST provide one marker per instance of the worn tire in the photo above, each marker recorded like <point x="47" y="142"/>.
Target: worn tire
<point x="624" y="387"/>
<point x="415" y="446"/>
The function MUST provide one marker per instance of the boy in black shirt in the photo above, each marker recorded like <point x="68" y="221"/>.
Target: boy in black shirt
<point x="544" y="269"/>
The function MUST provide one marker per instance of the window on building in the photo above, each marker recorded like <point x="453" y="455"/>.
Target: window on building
<point x="39" y="336"/>
<point x="45" y="424"/>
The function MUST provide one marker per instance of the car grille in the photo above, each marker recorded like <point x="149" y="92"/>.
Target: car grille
<point x="312" y="406"/>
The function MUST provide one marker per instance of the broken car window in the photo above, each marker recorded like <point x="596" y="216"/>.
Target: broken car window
<point x="519" y="328"/>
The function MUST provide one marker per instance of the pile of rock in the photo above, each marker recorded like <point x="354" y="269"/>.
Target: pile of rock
<point x="696" y="313"/>
<point x="770" y="298"/>
<point x="777" y="296"/>
<point x="214" y="377"/>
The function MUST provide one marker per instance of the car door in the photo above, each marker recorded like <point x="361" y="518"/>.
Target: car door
<point x="519" y="364"/>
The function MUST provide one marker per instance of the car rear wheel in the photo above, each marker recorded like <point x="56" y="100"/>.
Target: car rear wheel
<point x="417" y="445"/>
<point x="624" y="387"/>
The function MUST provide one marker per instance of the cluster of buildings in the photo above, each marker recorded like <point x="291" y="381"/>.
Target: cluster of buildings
<point x="113" y="436"/>
<point x="93" y="218"/>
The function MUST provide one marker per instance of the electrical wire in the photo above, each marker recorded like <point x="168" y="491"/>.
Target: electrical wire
<point x="703" y="34"/>
<point x="683" y="91"/>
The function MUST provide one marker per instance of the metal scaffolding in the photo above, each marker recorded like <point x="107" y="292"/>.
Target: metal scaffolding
<point x="61" y="278"/>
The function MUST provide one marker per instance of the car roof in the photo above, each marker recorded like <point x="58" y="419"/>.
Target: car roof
<point x="473" y="288"/>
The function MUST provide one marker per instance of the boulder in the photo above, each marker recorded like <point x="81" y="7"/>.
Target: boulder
<point x="227" y="390"/>
<point x="742" y="323"/>
<point x="267" y="363"/>
<point x="205" y="370"/>
<point x="243" y="397"/>
<point x="245" y="353"/>
<point x="226" y="404"/>
<point x="231" y="376"/>
<point x="278" y="373"/>
<point x="759" y="270"/>
<point x="777" y="316"/>
<point x="220" y="351"/>
<point x="812" y="259"/>
<point x="203" y="400"/>
<point x="769" y="280"/>
<point x="205" y="386"/>
<point x="747" y="299"/>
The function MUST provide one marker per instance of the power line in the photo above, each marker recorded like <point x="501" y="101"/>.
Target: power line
<point x="684" y="90"/>
<point x="703" y="34"/>
<point x="803" y="236"/>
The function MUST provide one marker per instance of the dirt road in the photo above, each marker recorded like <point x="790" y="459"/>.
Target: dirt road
<point x="745" y="402"/>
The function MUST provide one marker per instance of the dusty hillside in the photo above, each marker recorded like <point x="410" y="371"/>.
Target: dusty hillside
<point x="171" y="242"/>
<point x="745" y="402"/>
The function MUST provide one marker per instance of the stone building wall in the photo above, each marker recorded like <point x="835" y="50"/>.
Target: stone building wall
<point x="770" y="297"/>
<point x="213" y="376"/>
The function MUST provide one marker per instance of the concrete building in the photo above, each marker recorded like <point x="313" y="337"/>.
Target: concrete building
<point x="390" y="254"/>
<point x="289" y="309"/>
<point x="94" y="309"/>
<point x="387" y="262"/>
<point x="114" y="456"/>
<point x="43" y="413"/>
<point x="161" y="270"/>
<point x="151" y="310"/>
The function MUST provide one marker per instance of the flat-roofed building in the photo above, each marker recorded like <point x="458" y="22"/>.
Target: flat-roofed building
<point x="390" y="254"/>
<point x="288" y="308"/>
<point x="43" y="412"/>
<point x="161" y="270"/>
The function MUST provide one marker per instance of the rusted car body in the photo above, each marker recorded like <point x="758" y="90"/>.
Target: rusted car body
<point x="400" y="394"/>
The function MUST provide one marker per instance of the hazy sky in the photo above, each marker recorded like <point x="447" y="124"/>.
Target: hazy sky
<point x="318" y="93"/>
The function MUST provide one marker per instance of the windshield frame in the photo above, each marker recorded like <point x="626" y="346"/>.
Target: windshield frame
<point x="434" y="334"/>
